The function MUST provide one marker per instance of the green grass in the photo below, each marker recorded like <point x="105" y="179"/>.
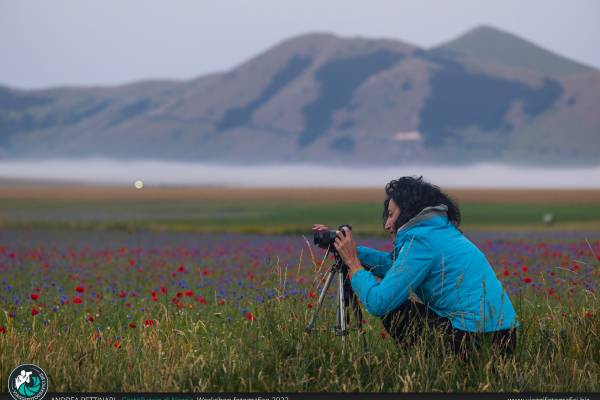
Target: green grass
<point x="268" y="216"/>
<point x="199" y="350"/>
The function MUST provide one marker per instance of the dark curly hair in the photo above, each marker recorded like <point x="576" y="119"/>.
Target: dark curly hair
<point x="412" y="195"/>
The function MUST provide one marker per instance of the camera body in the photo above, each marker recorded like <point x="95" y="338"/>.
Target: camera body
<point x="324" y="239"/>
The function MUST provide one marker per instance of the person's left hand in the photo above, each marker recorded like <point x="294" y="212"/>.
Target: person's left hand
<point x="346" y="247"/>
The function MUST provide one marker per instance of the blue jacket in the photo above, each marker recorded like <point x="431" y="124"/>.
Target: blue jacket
<point x="443" y="268"/>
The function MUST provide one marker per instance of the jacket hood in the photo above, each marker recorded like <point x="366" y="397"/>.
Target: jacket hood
<point x="426" y="214"/>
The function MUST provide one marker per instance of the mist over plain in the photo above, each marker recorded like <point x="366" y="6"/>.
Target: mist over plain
<point x="168" y="173"/>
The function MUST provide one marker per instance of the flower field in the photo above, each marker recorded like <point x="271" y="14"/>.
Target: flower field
<point x="117" y="311"/>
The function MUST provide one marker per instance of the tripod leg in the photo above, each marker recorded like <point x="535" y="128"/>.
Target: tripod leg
<point x="358" y="315"/>
<point x="351" y="300"/>
<point x="313" y="318"/>
<point x="342" y="331"/>
<point x="357" y="311"/>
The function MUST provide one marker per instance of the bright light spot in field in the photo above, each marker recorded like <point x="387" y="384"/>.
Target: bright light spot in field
<point x="138" y="184"/>
<point x="548" y="218"/>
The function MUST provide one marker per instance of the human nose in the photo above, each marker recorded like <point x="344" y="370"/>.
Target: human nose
<point x="388" y="226"/>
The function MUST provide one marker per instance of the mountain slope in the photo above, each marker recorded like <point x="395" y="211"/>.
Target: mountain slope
<point x="493" y="46"/>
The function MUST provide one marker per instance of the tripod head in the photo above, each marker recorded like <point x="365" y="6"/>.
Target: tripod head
<point x="338" y="258"/>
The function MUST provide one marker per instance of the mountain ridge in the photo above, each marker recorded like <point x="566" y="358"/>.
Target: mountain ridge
<point x="510" y="50"/>
<point x="319" y="97"/>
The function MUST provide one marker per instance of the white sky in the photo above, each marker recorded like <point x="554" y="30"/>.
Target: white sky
<point x="74" y="42"/>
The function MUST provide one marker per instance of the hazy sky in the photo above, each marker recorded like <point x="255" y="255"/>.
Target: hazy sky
<point x="75" y="42"/>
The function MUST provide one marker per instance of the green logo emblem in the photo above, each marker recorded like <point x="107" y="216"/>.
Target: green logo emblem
<point x="28" y="382"/>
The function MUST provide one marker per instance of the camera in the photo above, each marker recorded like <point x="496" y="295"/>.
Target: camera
<point x="324" y="239"/>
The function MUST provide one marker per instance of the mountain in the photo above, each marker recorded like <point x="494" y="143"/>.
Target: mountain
<point x="320" y="97"/>
<point x="493" y="46"/>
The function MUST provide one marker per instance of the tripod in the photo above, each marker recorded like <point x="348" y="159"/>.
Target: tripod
<point x="345" y="297"/>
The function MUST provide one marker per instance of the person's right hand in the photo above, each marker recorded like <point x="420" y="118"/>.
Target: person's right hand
<point x="319" y="227"/>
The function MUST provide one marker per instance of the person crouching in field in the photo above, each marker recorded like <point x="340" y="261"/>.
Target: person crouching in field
<point x="457" y="288"/>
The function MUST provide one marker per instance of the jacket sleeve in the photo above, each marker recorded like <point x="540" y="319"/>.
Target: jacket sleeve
<point x="379" y="262"/>
<point x="414" y="261"/>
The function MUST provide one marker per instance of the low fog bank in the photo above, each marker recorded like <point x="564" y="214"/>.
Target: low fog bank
<point x="103" y="171"/>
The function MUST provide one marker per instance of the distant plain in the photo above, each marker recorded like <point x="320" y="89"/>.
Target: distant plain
<point x="276" y="210"/>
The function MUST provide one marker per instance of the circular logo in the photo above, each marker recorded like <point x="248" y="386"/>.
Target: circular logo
<point x="28" y="382"/>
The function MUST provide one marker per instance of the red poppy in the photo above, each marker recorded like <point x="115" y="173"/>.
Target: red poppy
<point x="222" y="301"/>
<point x="309" y="305"/>
<point x="96" y="336"/>
<point x="34" y="311"/>
<point x="122" y="294"/>
<point x="383" y="334"/>
<point x="250" y="316"/>
<point x="117" y="344"/>
<point x="2" y="329"/>
<point x="163" y="290"/>
<point x="189" y="293"/>
<point x="181" y="268"/>
<point x="132" y="325"/>
<point x="132" y="262"/>
<point x="506" y="272"/>
<point x="205" y="272"/>
<point x="90" y="318"/>
<point x="76" y="300"/>
<point x="201" y="300"/>
<point x="35" y="296"/>
<point x="80" y="289"/>
<point x="527" y="279"/>
<point x="312" y="295"/>
<point x="149" y="322"/>
<point x="524" y="268"/>
<point x="37" y="289"/>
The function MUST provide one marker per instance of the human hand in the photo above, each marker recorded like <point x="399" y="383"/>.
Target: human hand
<point x="319" y="227"/>
<point x="346" y="247"/>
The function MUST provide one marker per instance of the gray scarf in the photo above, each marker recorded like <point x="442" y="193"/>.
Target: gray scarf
<point x="426" y="213"/>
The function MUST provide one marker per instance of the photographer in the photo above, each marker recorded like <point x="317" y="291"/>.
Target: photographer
<point x="457" y="288"/>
